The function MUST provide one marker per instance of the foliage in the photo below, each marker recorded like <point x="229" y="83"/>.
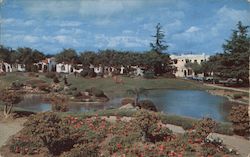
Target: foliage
<point x="196" y="67"/>
<point x="24" y="145"/>
<point x="59" y="103"/>
<point x="54" y="135"/>
<point x="237" y="96"/>
<point x="16" y="85"/>
<point x="158" y="46"/>
<point x="84" y="73"/>
<point x="240" y="119"/>
<point x="137" y="92"/>
<point x="147" y="105"/>
<point x="56" y="80"/>
<point x="81" y="150"/>
<point x="147" y="123"/>
<point x="149" y="75"/>
<point x="9" y="98"/>
<point x="234" y="62"/>
<point x="50" y="75"/>
<point x="204" y="127"/>
<point x="67" y="56"/>
<point x="96" y="92"/>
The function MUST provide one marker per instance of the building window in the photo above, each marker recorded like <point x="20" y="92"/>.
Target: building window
<point x="195" y="61"/>
<point x="187" y="60"/>
<point x="175" y="61"/>
<point x="182" y="60"/>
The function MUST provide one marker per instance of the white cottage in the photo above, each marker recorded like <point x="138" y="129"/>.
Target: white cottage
<point x="64" y="68"/>
<point x="5" y="67"/>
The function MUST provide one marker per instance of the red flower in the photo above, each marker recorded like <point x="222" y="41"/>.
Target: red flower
<point x="119" y="146"/>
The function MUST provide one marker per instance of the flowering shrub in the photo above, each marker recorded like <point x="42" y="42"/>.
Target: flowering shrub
<point x="240" y="119"/>
<point x="147" y="123"/>
<point x="59" y="103"/>
<point x="203" y="128"/>
<point x="24" y="146"/>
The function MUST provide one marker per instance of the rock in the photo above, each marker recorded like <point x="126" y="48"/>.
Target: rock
<point x="126" y="101"/>
<point x="127" y="106"/>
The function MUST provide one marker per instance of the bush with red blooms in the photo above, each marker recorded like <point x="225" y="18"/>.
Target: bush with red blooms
<point x="240" y="119"/>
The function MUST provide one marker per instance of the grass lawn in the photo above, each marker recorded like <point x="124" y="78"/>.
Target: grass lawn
<point x="110" y="87"/>
<point x="108" y="84"/>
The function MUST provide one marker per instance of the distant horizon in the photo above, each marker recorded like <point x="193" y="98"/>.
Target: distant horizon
<point x="190" y="26"/>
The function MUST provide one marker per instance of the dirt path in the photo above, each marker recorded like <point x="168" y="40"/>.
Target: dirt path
<point x="10" y="128"/>
<point x="228" y="88"/>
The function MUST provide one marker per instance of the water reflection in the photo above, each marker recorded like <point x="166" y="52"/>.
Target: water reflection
<point x="191" y="103"/>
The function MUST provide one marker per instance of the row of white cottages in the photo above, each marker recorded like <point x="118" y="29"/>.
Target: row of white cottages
<point x="49" y="64"/>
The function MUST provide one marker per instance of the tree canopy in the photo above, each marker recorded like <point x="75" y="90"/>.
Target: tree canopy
<point x="159" y="45"/>
<point x="234" y="62"/>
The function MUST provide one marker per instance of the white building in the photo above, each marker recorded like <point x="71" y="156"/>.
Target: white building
<point x="64" y="68"/>
<point x="179" y="62"/>
<point x="5" y="67"/>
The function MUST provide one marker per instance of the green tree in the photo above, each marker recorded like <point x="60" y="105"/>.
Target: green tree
<point x="88" y="57"/>
<point x="234" y="62"/>
<point x="137" y="92"/>
<point x="67" y="56"/>
<point x="28" y="57"/>
<point x="9" y="99"/>
<point x="159" y="45"/>
<point x="196" y="67"/>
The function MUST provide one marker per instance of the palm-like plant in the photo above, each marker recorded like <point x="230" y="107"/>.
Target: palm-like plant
<point x="137" y="92"/>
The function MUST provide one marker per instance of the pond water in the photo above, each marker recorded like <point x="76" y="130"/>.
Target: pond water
<point x="190" y="103"/>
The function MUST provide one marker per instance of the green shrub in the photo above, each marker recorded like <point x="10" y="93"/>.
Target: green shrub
<point x="147" y="124"/>
<point x="237" y="96"/>
<point x="147" y="105"/>
<point x="59" y="103"/>
<point x="24" y="145"/>
<point x="34" y="68"/>
<point x="17" y="85"/>
<point x="96" y="92"/>
<point x="204" y="127"/>
<point x="185" y="123"/>
<point x="84" y="73"/>
<point x="240" y="119"/>
<point x="149" y="75"/>
<point x="224" y="128"/>
<point x="44" y="87"/>
<point x="33" y="74"/>
<point x="50" y="75"/>
<point x="51" y="131"/>
<point x="91" y="73"/>
<point x="82" y="150"/>
<point x="56" y="80"/>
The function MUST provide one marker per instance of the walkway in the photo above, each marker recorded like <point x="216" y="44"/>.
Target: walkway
<point x="228" y="88"/>
<point x="10" y="128"/>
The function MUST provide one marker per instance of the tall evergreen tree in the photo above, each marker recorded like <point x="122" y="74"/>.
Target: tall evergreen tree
<point x="234" y="63"/>
<point x="159" y="45"/>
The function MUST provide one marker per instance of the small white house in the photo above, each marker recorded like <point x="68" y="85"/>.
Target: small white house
<point x="5" y="67"/>
<point x="64" y="68"/>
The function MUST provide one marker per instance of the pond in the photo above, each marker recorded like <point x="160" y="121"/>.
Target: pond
<point x="190" y="103"/>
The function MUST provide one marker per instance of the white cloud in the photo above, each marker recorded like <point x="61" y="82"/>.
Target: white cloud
<point x="192" y="29"/>
<point x="227" y="18"/>
<point x="103" y="41"/>
<point x="30" y="38"/>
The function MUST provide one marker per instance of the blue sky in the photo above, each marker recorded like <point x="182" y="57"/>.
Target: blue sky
<point x="190" y="25"/>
